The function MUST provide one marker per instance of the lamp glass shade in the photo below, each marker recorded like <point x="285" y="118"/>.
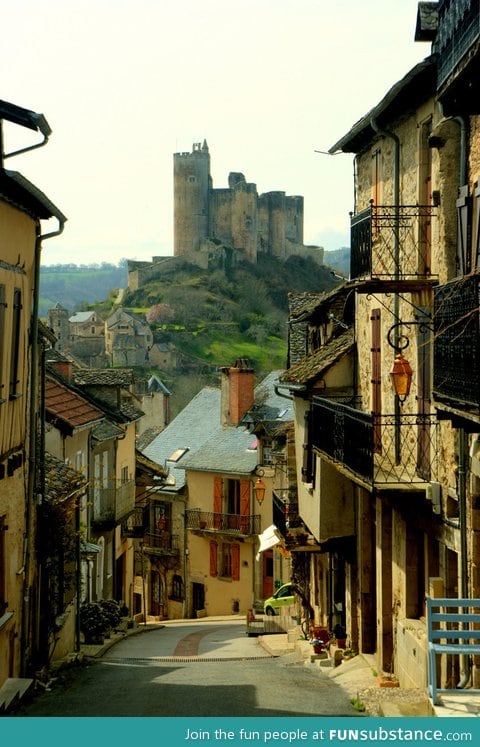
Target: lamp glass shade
<point x="259" y="489"/>
<point x="401" y="373"/>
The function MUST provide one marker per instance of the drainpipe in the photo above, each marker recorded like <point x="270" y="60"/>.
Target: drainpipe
<point x="396" y="255"/>
<point x="33" y="441"/>
<point x="462" y="517"/>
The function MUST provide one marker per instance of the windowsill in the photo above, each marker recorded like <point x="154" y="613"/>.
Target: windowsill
<point x="4" y="619"/>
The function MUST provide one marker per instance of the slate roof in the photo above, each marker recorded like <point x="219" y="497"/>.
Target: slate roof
<point x="81" y="316"/>
<point x="269" y="406"/>
<point x="66" y="407"/>
<point x="105" y="431"/>
<point x="104" y="377"/>
<point x="228" y="450"/>
<point x="319" y="362"/>
<point x="60" y="480"/>
<point x="192" y="427"/>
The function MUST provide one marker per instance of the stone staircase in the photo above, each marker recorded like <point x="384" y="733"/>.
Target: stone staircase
<point x="13" y="691"/>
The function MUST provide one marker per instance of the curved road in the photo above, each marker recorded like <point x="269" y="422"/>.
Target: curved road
<point x="193" y="669"/>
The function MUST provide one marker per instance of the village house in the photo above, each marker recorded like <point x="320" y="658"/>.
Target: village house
<point x="387" y="406"/>
<point x="27" y="219"/>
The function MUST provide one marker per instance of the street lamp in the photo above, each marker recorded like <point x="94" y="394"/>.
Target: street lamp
<point x="259" y="490"/>
<point x="401" y="371"/>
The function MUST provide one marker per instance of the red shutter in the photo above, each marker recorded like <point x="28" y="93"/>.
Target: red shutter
<point x="217" y="502"/>
<point x="213" y="558"/>
<point x="236" y="562"/>
<point x="245" y="506"/>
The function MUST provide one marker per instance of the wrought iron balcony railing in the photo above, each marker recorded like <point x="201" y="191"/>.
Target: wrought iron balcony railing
<point x="225" y="523"/>
<point x="456" y="347"/>
<point x="136" y="523"/>
<point x="458" y="31"/>
<point x="161" y="543"/>
<point x="389" y="243"/>
<point x="113" y="502"/>
<point x="378" y="449"/>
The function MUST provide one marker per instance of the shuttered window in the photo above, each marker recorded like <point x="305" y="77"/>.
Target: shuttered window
<point x="463" y="255"/>
<point x="236" y="562"/>
<point x="213" y="558"/>
<point x="217" y="502"/>
<point x="15" y="348"/>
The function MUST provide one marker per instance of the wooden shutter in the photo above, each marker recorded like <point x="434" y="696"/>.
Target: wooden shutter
<point x="375" y="319"/>
<point x="217" y="502"/>
<point x="17" y="310"/>
<point x="245" y="506"/>
<point x="307" y="449"/>
<point x="213" y="558"/>
<point x="236" y="562"/>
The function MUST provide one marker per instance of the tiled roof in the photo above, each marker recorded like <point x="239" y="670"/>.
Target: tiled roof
<point x="104" y="377"/>
<point x="146" y="438"/>
<point x="60" y="480"/>
<point x="64" y="405"/>
<point x="316" y="364"/>
<point x="106" y="430"/>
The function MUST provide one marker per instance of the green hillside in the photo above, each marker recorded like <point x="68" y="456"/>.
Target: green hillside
<point x="211" y="317"/>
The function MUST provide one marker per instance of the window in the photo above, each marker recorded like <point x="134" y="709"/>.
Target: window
<point x="233" y="497"/>
<point x="226" y="570"/>
<point x="177" y="588"/>
<point x="192" y="179"/>
<point x="15" y="350"/>
<point x="124" y="475"/>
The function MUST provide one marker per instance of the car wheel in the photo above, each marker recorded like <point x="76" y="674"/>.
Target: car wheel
<point x="270" y="611"/>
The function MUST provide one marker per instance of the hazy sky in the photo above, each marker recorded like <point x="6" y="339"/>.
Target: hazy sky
<point x="124" y="84"/>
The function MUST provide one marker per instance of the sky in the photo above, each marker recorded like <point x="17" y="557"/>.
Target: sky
<point x="124" y="84"/>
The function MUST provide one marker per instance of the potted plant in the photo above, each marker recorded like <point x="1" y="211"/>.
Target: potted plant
<point x="340" y="636"/>
<point x="317" y="645"/>
<point x="93" y="622"/>
<point x="111" y="609"/>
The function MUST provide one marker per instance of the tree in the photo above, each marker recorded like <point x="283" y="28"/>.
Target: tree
<point x="160" y="313"/>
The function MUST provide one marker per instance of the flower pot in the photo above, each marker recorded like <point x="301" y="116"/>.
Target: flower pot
<point x="317" y="648"/>
<point x="341" y="642"/>
<point x="387" y="681"/>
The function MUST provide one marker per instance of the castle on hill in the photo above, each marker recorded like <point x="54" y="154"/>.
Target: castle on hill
<point x="236" y="217"/>
<point x="219" y="227"/>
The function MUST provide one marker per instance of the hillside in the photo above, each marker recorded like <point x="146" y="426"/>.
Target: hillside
<point x="73" y="285"/>
<point x="218" y="317"/>
<point x="210" y="317"/>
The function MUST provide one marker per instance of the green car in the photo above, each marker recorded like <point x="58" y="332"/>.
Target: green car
<point x="283" y="597"/>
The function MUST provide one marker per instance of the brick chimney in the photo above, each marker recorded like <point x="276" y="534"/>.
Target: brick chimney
<point x="237" y="392"/>
<point x="64" y="368"/>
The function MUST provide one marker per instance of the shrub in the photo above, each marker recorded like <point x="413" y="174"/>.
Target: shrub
<point x="111" y="610"/>
<point x="93" y="620"/>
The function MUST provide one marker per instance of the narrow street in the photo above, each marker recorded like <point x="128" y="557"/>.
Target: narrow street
<point x="193" y="669"/>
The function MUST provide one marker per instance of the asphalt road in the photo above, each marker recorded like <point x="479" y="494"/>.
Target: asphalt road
<point x="192" y="669"/>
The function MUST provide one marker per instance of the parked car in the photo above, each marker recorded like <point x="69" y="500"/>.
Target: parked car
<point x="283" y="597"/>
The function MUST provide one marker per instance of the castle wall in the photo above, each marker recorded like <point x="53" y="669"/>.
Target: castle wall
<point x="236" y="216"/>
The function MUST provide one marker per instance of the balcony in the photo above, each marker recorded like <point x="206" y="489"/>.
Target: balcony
<point x="234" y="524"/>
<point x="390" y="248"/>
<point x="456" y="351"/>
<point x="457" y="49"/>
<point x="161" y="543"/>
<point x="376" y="450"/>
<point x="136" y="523"/>
<point x="113" y="503"/>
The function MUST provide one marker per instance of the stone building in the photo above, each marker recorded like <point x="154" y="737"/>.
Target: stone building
<point x="388" y="479"/>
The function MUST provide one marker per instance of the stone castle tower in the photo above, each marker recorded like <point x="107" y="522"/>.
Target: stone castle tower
<point x="236" y="217"/>
<point x="58" y="318"/>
